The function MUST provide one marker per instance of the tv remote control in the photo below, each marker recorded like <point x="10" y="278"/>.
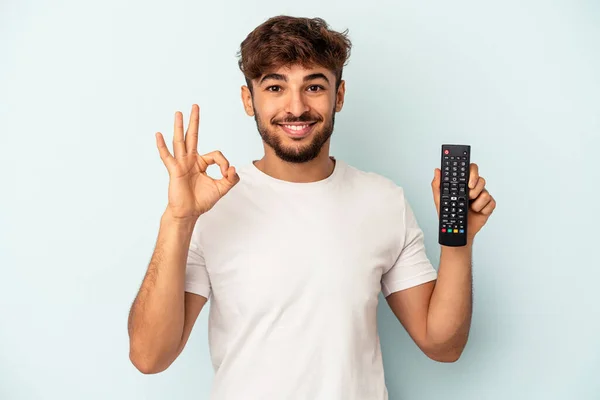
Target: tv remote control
<point x="454" y="194"/>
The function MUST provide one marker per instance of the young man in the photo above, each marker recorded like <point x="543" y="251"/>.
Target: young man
<point x="294" y="249"/>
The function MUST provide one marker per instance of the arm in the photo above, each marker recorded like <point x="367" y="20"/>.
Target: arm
<point x="163" y="314"/>
<point x="437" y="315"/>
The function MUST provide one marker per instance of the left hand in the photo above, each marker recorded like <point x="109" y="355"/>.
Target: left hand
<point x="481" y="202"/>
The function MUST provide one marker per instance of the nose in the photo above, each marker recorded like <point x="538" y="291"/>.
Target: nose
<point x="297" y="104"/>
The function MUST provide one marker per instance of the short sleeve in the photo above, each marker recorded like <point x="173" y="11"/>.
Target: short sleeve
<point x="412" y="267"/>
<point x="196" y="275"/>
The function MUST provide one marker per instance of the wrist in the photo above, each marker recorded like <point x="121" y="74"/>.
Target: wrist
<point x="169" y="218"/>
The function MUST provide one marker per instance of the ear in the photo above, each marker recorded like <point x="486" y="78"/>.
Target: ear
<point x="339" y="98"/>
<point x="247" y="101"/>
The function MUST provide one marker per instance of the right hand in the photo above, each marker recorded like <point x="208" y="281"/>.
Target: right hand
<point x="191" y="191"/>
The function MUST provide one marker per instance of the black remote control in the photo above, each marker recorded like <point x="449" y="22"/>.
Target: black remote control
<point x="454" y="194"/>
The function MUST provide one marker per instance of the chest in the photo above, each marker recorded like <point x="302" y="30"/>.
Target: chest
<point x="272" y="257"/>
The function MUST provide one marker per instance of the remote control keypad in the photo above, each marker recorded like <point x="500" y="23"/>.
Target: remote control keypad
<point x="453" y="196"/>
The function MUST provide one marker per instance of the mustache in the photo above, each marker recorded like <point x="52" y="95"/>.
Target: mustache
<point x="306" y="117"/>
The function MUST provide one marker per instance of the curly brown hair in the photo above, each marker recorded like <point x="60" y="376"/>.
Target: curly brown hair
<point x="284" y="41"/>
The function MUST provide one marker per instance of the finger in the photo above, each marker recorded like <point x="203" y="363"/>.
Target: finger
<point x="228" y="181"/>
<point x="481" y="202"/>
<point x="215" y="157"/>
<point x="191" y="136"/>
<point x="476" y="191"/>
<point x="489" y="208"/>
<point x="178" y="142"/>
<point x="473" y="175"/>
<point x="165" y="155"/>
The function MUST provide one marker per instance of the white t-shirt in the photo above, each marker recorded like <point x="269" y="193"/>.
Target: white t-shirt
<point x="293" y="272"/>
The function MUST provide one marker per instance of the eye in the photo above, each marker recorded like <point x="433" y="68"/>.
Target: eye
<point x="315" y="88"/>
<point x="274" y="88"/>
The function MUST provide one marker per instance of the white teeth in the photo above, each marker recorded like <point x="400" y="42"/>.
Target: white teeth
<point x="296" y="127"/>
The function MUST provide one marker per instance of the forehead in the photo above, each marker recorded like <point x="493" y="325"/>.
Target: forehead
<point x="298" y="72"/>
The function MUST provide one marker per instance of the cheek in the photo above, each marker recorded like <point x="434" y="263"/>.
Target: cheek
<point x="267" y="112"/>
<point x="327" y="105"/>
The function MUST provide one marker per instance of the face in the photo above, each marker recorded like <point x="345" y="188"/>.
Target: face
<point x="294" y="109"/>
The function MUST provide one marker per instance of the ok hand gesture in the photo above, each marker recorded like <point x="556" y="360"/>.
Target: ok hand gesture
<point x="191" y="191"/>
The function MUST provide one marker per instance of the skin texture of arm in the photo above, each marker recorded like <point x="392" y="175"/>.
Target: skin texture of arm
<point x="163" y="314"/>
<point x="437" y="314"/>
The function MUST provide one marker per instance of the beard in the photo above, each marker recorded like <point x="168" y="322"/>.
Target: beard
<point x="298" y="152"/>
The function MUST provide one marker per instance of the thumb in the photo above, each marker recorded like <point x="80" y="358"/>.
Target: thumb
<point x="435" y="187"/>
<point x="232" y="176"/>
<point x="230" y="179"/>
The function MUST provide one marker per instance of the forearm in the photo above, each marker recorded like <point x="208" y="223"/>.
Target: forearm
<point x="450" y="307"/>
<point x="156" y="318"/>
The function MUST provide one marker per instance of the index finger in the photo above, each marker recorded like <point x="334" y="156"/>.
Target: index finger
<point x="215" y="157"/>
<point x="473" y="175"/>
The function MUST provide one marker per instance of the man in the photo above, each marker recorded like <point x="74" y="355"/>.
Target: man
<point x="294" y="249"/>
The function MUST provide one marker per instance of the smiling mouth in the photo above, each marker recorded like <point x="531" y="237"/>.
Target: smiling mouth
<point x="297" y="130"/>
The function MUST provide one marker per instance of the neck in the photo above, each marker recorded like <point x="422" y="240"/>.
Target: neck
<point x="314" y="170"/>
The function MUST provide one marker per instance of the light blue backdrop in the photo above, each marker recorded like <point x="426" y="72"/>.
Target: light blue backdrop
<point x="85" y="85"/>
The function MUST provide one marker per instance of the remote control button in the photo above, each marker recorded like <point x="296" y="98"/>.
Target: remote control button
<point x="443" y="229"/>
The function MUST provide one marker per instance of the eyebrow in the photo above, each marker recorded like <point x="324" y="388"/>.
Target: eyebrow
<point x="280" y="77"/>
